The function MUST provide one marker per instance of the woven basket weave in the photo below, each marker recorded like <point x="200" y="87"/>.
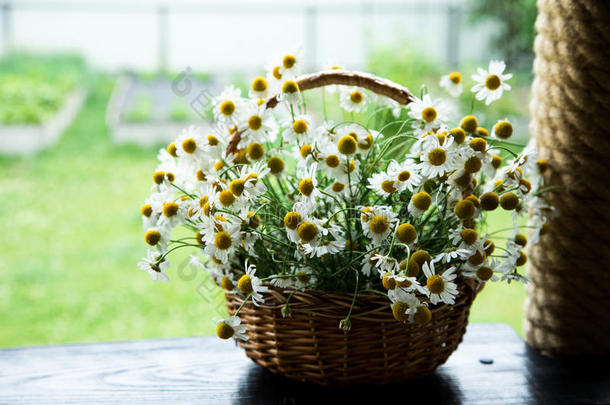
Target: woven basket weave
<point x="309" y="345"/>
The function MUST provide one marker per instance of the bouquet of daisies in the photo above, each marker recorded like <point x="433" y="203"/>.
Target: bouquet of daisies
<point x="387" y="198"/>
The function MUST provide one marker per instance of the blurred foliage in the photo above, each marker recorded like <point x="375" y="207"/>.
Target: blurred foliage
<point x="513" y="28"/>
<point x="179" y="111"/>
<point x="34" y="86"/>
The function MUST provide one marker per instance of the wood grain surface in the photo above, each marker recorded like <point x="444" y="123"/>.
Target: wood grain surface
<point x="209" y="371"/>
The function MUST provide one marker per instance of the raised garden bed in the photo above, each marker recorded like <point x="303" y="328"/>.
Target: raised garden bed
<point x="151" y="110"/>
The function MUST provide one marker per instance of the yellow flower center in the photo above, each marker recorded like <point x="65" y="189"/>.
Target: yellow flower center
<point x="406" y="233"/>
<point x="436" y="284"/>
<point x="469" y="236"/>
<point x="152" y="237"/>
<point x="455" y="77"/>
<point x="522" y="259"/>
<point x="299" y="126"/>
<point x="306" y="187"/>
<point x="158" y="177"/>
<point x="244" y="284"/>
<point x="484" y="273"/>
<point x="399" y="310"/>
<point x="146" y="210"/>
<point x="332" y="161"/>
<point x="464" y="209"/>
<point x="458" y="135"/>
<point x="255" y="151"/>
<point x="222" y="240"/>
<point x="307" y="231"/>
<point x="366" y="143"/>
<point x="503" y="129"/>
<point x="171" y="149"/>
<point x="259" y="84"/>
<point x="347" y="145"/>
<point x="356" y="97"/>
<point x="496" y="161"/>
<point x="227" y="107"/>
<point x="489" y="201"/>
<point x="388" y="186"/>
<point x="473" y="164"/>
<point x="226" y="198"/>
<point x="422" y="315"/>
<point x="338" y="187"/>
<point x="388" y="281"/>
<point x="212" y="140"/>
<point x="275" y="165"/>
<point x="404" y="175"/>
<point x="379" y="224"/>
<point x="469" y="123"/>
<point x="255" y="122"/>
<point x="543" y="165"/>
<point x="428" y="114"/>
<point x="421" y="200"/>
<point x="189" y="145"/>
<point x="289" y="61"/>
<point x="305" y="151"/>
<point x="237" y="187"/>
<point x="437" y="156"/>
<point x="170" y="209"/>
<point x="292" y="219"/>
<point x="224" y="331"/>
<point x="227" y="284"/>
<point x="478" y="144"/>
<point x="290" y="86"/>
<point x="509" y="201"/>
<point x="276" y="73"/>
<point x="493" y="82"/>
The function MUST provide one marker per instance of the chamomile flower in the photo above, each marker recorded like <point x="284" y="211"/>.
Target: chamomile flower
<point x="333" y="242"/>
<point x="231" y="327"/>
<point x="428" y="114"/>
<point x="352" y="99"/>
<point x="452" y="83"/>
<point x="369" y="261"/>
<point x="290" y="93"/>
<point x="259" y="88"/>
<point x="172" y="213"/>
<point x="308" y="186"/>
<point x="227" y="107"/>
<point x="363" y="138"/>
<point x="452" y="255"/>
<point x="293" y="219"/>
<point x="249" y="283"/>
<point x="155" y="264"/>
<point x="491" y="83"/>
<point x="405" y="174"/>
<point x="403" y="304"/>
<point x="419" y="204"/>
<point x="378" y="223"/>
<point x="259" y="124"/>
<point x="483" y="272"/>
<point x="157" y="237"/>
<point x="437" y="158"/>
<point x="442" y="288"/>
<point x="290" y="64"/>
<point x="222" y="242"/>
<point x="383" y="184"/>
<point x="298" y="130"/>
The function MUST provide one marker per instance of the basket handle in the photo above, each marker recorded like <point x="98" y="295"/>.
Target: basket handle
<point x="377" y="85"/>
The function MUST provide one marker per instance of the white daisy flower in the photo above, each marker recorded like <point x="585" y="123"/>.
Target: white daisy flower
<point x="404" y="304"/>
<point x="428" y="114"/>
<point x="231" y="327"/>
<point x="259" y="88"/>
<point x="452" y="83"/>
<point x="491" y="83"/>
<point x="308" y="187"/>
<point x="227" y="107"/>
<point x="259" y="124"/>
<point x="368" y="262"/>
<point x="352" y="99"/>
<point x="378" y="223"/>
<point x="437" y="158"/>
<point x="405" y="174"/>
<point x="419" y="204"/>
<point x="290" y="93"/>
<point x="483" y="272"/>
<point x="250" y="284"/>
<point x="156" y="269"/>
<point x="383" y="184"/>
<point x="290" y="64"/>
<point x="442" y="288"/>
<point x="298" y="131"/>
<point x="222" y="243"/>
<point x="452" y="255"/>
<point x="320" y="247"/>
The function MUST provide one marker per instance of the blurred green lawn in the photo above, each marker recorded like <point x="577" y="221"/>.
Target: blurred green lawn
<point x="71" y="237"/>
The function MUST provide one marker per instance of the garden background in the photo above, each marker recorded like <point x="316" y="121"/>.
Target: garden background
<point x="69" y="219"/>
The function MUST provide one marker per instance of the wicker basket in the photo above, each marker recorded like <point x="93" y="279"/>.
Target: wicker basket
<point x="310" y="346"/>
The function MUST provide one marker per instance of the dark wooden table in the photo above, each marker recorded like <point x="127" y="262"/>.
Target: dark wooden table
<point x="207" y="370"/>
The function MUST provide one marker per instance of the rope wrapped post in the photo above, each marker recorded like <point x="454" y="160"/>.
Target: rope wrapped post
<point x="568" y="308"/>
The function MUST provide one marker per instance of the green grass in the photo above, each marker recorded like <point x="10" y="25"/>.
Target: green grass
<point x="71" y="237"/>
